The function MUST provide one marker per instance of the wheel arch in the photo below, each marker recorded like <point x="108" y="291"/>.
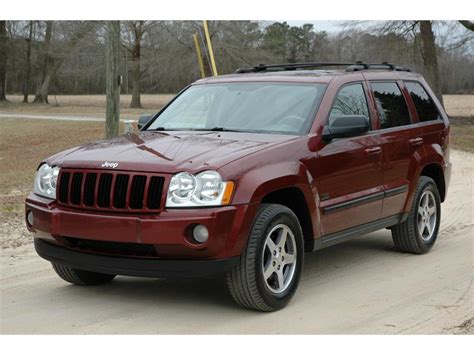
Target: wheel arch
<point x="288" y="183"/>
<point x="430" y="161"/>
<point x="435" y="171"/>
<point x="294" y="199"/>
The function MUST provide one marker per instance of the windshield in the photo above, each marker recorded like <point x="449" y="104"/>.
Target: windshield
<point x="247" y="107"/>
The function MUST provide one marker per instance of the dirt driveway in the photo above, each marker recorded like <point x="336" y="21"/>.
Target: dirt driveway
<point x="362" y="286"/>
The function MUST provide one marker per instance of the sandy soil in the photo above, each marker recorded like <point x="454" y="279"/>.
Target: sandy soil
<point x="362" y="286"/>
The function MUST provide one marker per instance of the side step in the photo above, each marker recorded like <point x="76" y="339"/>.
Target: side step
<point x="347" y="234"/>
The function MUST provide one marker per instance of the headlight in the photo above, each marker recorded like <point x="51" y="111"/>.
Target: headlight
<point x="45" y="181"/>
<point x="204" y="189"/>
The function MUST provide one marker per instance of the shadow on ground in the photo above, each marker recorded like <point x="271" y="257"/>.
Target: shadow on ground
<point x="213" y="292"/>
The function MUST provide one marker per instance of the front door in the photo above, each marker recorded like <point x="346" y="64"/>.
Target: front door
<point x="350" y="170"/>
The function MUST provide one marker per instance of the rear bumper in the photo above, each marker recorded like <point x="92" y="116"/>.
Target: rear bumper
<point x="132" y="266"/>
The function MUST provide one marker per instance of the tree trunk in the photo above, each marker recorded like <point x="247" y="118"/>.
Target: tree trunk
<point x="3" y="60"/>
<point x="112" y="61"/>
<point x="43" y="88"/>
<point x="136" y="70"/>
<point x="26" y="83"/>
<point x="430" y="59"/>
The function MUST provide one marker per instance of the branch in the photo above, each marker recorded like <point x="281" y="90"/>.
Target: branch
<point x="468" y="24"/>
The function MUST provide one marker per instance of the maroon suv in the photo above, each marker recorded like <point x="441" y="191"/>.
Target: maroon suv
<point x="241" y="174"/>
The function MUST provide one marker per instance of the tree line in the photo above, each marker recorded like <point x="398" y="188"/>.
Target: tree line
<point x="42" y="58"/>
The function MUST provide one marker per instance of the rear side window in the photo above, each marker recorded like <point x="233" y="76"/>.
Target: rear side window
<point x="424" y="104"/>
<point x="391" y="105"/>
<point x="349" y="101"/>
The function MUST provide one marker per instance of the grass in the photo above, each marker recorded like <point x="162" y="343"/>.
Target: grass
<point x="459" y="105"/>
<point x="462" y="133"/>
<point x="24" y="144"/>
<point x="84" y="105"/>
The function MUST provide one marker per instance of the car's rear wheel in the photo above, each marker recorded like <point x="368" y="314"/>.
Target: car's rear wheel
<point x="269" y="269"/>
<point x="81" y="277"/>
<point x="418" y="233"/>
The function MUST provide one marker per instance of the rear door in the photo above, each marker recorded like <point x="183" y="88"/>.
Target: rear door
<point x="400" y="139"/>
<point x="349" y="170"/>
<point x="432" y="127"/>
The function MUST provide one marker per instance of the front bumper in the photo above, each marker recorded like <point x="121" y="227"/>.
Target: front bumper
<point x="132" y="266"/>
<point x="168" y="231"/>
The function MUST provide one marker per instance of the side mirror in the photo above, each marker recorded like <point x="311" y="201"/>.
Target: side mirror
<point x="143" y="120"/>
<point x="346" y="126"/>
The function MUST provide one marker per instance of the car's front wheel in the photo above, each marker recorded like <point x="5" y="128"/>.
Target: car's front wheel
<point x="269" y="269"/>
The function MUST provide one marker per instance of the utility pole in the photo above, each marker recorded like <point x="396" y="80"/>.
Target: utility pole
<point x="211" y="51"/>
<point x="199" y="56"/>
<point x="113" y="80"/>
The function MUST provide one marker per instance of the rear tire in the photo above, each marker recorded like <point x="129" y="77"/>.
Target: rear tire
<point x="81" y="277"/>
<point x="418" y="233"/>
<point x="268" y="272"/>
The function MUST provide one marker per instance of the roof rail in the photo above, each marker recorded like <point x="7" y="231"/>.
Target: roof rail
<point x="384" y="65"/>
<point x="357" y="66"/>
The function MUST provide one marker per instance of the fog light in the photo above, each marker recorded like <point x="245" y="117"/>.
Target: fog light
<point x="29" y="218"/>
<point x="200" y="233"/>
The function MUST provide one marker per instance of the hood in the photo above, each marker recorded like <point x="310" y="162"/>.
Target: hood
<point x="165" y="152"/>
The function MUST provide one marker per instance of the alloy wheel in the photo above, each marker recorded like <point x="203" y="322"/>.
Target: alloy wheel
<point x="279" y="258"/>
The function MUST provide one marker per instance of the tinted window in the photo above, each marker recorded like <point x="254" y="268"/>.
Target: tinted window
<point x="391" y="105"/>
<point x="350" y="101"/>
<point x="248" y="107"/>
<point x="424" y="104"/>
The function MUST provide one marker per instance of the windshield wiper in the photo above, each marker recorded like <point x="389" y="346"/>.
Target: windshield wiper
<point x="222" y="129"/>
<point x="213" y="129"/>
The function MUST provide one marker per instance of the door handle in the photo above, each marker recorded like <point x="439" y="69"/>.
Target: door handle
<point x="416" y="141"/>
<point x="373" y="151"/>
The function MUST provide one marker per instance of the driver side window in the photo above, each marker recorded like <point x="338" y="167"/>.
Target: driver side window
<point x="350" y="100"/>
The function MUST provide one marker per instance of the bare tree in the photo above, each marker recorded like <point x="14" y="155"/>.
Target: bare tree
<point x="112" y="58"/>
<point x="135" y="32"/>
<point x="42" y="91"/>
<point x="468" y="24"/>
<point x="424" y="31"/>
<point x="430" y="58"/>
<point x="168" y="61"/>
<point x="52" y="63"/>
<point x="26" y="83"/>
<point x="3" y="59"/>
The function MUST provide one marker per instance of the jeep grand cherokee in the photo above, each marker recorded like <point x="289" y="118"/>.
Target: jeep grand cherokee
<point x="241" y="174"/>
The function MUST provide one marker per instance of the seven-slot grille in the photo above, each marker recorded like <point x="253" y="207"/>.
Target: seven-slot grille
<point x="110" y="190"/>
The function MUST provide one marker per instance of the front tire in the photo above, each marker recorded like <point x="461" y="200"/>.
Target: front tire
<point x="269" y="269"/>
<point x="81" y="277"/>
<point x="418" y="233"/>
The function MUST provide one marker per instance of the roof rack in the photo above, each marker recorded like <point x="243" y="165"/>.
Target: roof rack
<point x="357" y="66"/>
